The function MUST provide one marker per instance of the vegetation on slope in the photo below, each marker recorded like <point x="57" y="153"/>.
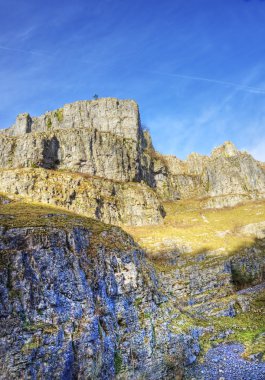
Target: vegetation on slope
<point x="19" y="213"/>
<point x="191" y="229"/>
<point x="220" y="233"/>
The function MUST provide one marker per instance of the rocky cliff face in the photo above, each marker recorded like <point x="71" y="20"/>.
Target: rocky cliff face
<point x="101" y="138"/>
<point x="206" y="285"/>
<point x="119" y="203"/>
<point x="228" y="176"/>
<point x="120" y="117"/>
<point x="79" y="300"/>
<point x="80" y="150"/>
<point x="104" y="138"/>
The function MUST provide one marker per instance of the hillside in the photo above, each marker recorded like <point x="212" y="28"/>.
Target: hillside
<point x="118" y="262"/>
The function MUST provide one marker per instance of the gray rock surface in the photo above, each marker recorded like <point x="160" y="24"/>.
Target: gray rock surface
<point x="82" y="303"/>
<point x="203" y="284"/>
<point x="224" y="363"/>
<point x="111" y="202"/>
<point x="120" y="117"/>
<point x="228" y="176"/>
<point x="82" y="150"/>
<point x="104" y="138"/>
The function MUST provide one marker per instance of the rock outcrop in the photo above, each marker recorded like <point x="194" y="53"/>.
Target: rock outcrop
<point x="79" y="300"/>
<point x="104" y="138"/>
<point x="119" y="203"/>
<point x="120" y="117"/>
<point x="206" y="285"/>
<point x="228" y="177"/>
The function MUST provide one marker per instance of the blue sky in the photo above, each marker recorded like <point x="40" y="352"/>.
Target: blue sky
<point x="196" y="67"/>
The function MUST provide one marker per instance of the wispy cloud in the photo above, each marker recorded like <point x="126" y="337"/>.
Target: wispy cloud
<point x="21" y="50"/>
<point x="238" y="86"/>
<point x="26" y="33"/>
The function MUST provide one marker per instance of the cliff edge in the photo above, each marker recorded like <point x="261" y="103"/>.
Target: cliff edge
<point x="104" y="139"/>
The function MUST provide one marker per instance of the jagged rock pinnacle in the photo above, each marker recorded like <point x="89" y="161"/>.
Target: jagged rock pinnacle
<point x="227" y="149"/>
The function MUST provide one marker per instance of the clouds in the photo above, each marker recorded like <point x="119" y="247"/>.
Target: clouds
<point x="24" y="51"/>
<point x="238" y="86"/>
<point x="214" y="115"/>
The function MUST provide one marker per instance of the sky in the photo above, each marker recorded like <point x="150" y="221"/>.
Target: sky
<point x="196" y="68"/>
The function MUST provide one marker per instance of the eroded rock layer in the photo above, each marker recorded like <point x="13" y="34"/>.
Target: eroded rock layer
<point x="111" y="202"/>
<point x="104" y="138"/>
<point x="79" y="300"/>
<point x="228" y="176"/>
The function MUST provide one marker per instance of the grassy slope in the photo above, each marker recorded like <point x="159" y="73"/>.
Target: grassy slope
<point x="249" y="328"/>
<point x="188" y="225"/>
<point x="21" y="213"/>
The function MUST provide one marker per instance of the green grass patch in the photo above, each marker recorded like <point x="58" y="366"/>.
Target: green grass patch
<point x="248" y="329"/>
<point x="59" y="115"/>
<point x="48" y="122"/>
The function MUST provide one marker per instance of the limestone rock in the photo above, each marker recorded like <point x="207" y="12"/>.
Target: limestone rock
<point x="104" y="138"/>
<point x="111" y="202"/>
<point x="82" y="150"/>
<point x="228" y="149"/>
<point x="256" y="229"/>
<point x="82" y="302"/>
<point x="203" y="284"/>
<point x="120" y="117"/>
<point x="228" y="176"/>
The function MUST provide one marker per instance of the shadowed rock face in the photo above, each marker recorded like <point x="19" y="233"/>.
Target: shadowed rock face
<point x="50" y="153"/>
<point x="206" y="286"/>
<point x="79" y="304"/>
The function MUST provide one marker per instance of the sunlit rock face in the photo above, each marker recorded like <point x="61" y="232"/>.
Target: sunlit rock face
<point x="104" y="139"/>
<point x="227" y="176"/>
<point x="101" y="138"/>
<point x="120" y="117"/>
<point x="119" y="203"/>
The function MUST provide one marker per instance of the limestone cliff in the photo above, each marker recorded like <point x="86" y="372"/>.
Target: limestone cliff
<point x="119" y="203"/>
<point x="120" y="117"/>
<point x="228" y="176"/>
<point x="79" y="300"/>
<point x="104" y="138"/>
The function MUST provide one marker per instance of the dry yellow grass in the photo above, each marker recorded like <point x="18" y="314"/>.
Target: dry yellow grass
<point x="190" y="228"/>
